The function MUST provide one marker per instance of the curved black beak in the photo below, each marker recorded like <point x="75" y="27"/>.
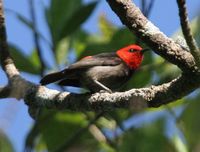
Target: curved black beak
<point x="144" y="50"/>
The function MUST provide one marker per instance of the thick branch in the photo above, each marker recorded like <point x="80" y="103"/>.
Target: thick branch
<point x="187" y="31"/>
<point x="17" y="86"/>
<point x="5" y="57"/>
<point x="4" y="92"/>
<point x="136" y="98"/>
<point x="132" y="17"/>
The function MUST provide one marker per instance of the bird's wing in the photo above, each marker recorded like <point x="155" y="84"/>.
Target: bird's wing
<point x="103" y="59"/>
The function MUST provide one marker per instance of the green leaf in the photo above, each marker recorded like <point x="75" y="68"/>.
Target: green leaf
<point x="31" y="137"/>
<point x="96" y="48"/>
<point x="93" y="44"/>
<point x="164" y="70"/>
<point x="5" y="144"/>
<point x="105" y="147"/>
<point x="146" y="139"/>
<point x="106" y="27"/>
<point x="189" y="121"/>
<point x="77" y="18"/>
<point x="58" y="128"/>
<point x="22" y="62"/>
<point x="62" y="50"/>
<point x="80" y="40"/>
<point x="97" y="45"/>
<point x="34" y="59"/>
<point x="123" y="37"/>
<point x="41" y="145"/>
<point x="71" y="15"/>
<point x="58" y="15"/>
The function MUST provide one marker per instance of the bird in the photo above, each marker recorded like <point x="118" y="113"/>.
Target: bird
<point x="101" y="72"/>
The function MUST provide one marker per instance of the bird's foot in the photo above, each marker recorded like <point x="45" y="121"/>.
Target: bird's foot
<point x="103" y="87"/>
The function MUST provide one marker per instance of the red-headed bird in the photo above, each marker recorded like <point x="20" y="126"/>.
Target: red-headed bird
<point x="103" y="71"/>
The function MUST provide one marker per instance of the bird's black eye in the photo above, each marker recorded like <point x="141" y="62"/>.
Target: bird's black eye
<point x="132" y="50"/>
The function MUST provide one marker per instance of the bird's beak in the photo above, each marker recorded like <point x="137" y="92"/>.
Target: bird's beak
<point x="144" y="50"/>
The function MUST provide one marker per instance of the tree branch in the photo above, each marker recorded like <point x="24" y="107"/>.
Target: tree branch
<point x="187" y="31"/>
<point x="4" y="92"/>
<point x="6" y="61"/>
<point x="132" y="17"/>
<point x="153" y="96"/>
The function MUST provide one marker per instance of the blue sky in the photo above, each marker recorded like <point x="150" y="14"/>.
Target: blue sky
<point x="14" y="117"/>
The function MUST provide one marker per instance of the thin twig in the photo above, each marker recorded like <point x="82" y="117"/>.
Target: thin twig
<point x="98" y="133"/>
<point x="187" y="31"/>
<point x="36" y="37"/>
<point x="179" y="123"/>
<point x="100" y="136"/>
<point x="147" y="8"/>
<point x="143" y="6"/>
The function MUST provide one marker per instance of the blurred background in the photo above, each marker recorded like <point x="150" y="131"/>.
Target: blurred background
<point x="47" y="35"/>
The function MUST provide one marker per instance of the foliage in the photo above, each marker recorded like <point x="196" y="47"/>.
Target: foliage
<point x="5" y="144"/>
<point x="59" y="131"/>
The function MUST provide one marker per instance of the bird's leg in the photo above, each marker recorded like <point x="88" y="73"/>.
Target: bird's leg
<point x="102" y="86"/>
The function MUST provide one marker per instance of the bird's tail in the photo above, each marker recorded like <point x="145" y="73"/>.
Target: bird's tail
<point x="52" y="77"/>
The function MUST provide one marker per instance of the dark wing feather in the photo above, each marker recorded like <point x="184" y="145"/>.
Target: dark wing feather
<point x="103" y="59"/>
<point x="52" y="77"/>
<point x="70" y="82"/>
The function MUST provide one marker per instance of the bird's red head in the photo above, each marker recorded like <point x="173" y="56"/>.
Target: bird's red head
<point x="132" y="55"/>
